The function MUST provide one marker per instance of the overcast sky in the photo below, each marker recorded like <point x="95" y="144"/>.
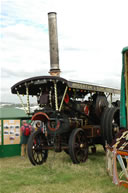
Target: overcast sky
<point x="91" y="35"/>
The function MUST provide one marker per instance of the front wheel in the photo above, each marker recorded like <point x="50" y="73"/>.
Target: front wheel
<point x="36" y="148"/>
<point x="78" y="146"/>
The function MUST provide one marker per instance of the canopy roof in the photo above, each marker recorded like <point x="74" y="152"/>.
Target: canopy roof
<point x="36" y="83"/>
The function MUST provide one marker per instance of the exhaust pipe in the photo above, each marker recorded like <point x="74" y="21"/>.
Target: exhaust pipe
<point x="53" y="43"/>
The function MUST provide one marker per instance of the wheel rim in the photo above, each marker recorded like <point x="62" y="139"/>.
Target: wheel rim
<point x="36" y="152"/>
<point x="78" y="146"/>
<point x="113" y="124"/>
<point x="103" y="125"/>
<point x="39" y="154"/>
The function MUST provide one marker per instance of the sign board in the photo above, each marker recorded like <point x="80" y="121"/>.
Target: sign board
<point x="11" y="131"/>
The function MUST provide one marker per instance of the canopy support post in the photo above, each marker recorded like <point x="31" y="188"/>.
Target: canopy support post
<point x="63" y="99"/>
<point x="21" y="102"/>
<point x="28" y="103"/>
<point x="56" y="99"/>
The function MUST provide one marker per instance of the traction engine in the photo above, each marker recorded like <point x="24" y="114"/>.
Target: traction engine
<point x="73" y="115"/>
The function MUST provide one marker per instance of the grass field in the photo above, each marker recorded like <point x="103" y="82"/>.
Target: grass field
<point x="57" y="175"/>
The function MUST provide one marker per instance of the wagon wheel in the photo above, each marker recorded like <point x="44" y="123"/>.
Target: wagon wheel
<point x="113" y="123"/>
<point x="36" y="152"/>
<point x="103" y="125"/>
<point x="78" y="146"/>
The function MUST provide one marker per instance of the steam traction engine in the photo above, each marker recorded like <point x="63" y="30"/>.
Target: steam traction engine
<point x="74" y="115"/>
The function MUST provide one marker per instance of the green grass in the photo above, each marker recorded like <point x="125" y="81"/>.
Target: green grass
<point x="57" y="175"/>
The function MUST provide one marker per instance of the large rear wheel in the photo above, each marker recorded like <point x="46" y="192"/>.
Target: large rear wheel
<point x="103" y="126"/>
<point x="113" y="123"/>
<point x="78" y="146"/>
<point x="36" y="148"/>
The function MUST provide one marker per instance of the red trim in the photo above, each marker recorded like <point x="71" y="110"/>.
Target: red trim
<point x="66" y="99"/>
<point x="86" y="110"/>
<point x="40" y="116"/>
<point x="124" y="183"/>
<point x="54" y="129"/>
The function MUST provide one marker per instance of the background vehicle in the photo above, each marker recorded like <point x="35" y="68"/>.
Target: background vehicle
<point x="117" y="151"/>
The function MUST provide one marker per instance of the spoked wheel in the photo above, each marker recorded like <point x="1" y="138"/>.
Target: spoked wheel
<point x="36" y="144"/>
<point x="78" y="146"/>
<point x="113" y="123"/>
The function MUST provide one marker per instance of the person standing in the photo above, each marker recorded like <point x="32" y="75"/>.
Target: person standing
<point x="39" y="126"/>
<point x="25" y="133"/>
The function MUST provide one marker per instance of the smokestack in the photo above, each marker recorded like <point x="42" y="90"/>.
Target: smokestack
<point x="53" y="43"/>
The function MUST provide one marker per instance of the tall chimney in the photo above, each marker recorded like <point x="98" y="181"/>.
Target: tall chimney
<point x="53" y="43"/>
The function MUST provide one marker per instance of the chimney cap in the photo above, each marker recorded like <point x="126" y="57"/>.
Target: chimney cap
<point x="52" y="12"/>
